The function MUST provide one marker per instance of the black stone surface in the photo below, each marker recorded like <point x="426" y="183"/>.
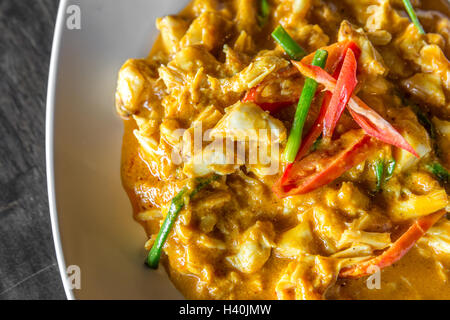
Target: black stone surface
<point x="28" y="267"/>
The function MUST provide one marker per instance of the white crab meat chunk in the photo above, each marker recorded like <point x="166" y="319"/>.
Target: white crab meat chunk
<point x="427" y="87"/>
<point x="328" y="226"/>
<point x="417" y="137"/>
<point x="258" y="136"/>
<point x="293" y="12"/>
<point x="130" y="85"/>
<point x="406" y="160"/>
<point x="212" y="158"/>
<point x="172" y="30"/>
<point x="442" y="126"/>
<point x="296" y="241"/>
<point x="246" y="121"/>
<point x="418" y="196"/>
<point x="306" y="278"/>
<point x="377" y="241"/>
<point x="255" y="246"/>
<point x="246" y="16"/>
<point x="209" y="29"/>
<point x="261" y="67"/>
<point x="190" y="60"/>
<point x="371" y="60"/>
<point x="438" y="238"/>
<point x="443" y="139"/>
<point x="148" y="144"/>
<point x="412" y="205"/>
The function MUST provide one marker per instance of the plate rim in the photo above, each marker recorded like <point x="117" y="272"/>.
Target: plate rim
<point x="49" y="147"/>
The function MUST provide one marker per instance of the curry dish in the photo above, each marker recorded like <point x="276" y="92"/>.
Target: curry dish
<point x="294" y="149"/>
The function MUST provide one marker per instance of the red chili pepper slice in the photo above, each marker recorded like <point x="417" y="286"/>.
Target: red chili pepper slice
<point x="396" y="251"/>
<point x="346" y="84"/>
<point x="325" y="165"/>
<point x="317" y="127"/>
<point x="337" y="52"/>
<point x="367" y="118"/>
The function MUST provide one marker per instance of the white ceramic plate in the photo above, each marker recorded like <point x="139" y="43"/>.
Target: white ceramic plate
<point x="91" y="215"/>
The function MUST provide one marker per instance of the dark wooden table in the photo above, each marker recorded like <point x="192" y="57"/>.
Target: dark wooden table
<point x="28" y="267"/>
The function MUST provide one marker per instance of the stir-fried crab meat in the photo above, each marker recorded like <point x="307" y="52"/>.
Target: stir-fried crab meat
<point x="438" y="238"/>
<point x="208" y="30"/>
<point x="436" y="22"/>
<point x="378" y="15"/>
<point x="261" y="67"/>
<point x="254" y="248"/>
<point x="419" y="195"/>
<point x="172" y="30"/>
<point x="297" y="241"/>
<point x="416" y="135"/>
<point x="242" y="122"/>
<point x="426" y="87"/>
<point x="246" y="121"/>
<point x="443" y="140"/>
<point x="293" y="11"/>
<point x="136" y="87"/>
<point x="425" y="53"/>
<point x="216" y="73"/>
<point x="307" y="278"/>
<point x="371" y="62"/>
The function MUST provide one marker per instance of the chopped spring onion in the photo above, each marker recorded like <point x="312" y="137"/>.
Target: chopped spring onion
<point x="370" y="121"/>
<point x="412" y="14"/>
<point x="308" y="93"/>
<point x="264" y="12"/>
<point x="425" y="121"/>
<point x="383" y="171"/>
<point x="390" y="169"/>
<point x="289" y="45"/>
<point x="379" y="173"/>
<point x="439" y="171"/>
<point x="175" y="208"/>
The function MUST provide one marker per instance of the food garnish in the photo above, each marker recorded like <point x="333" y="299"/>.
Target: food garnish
<point x="324" y="165"/>
<point x="264" y="12"/>
<point x="439" y="171"/>
<point x="289" y="45"/>
<point x="339" y="51"/>
<point x="346" y="84"/>
<point x="306" y="97"/>
<point x="177" y="204"/>
<point x="368" y="119"/>
<point x="412" y="14"/>
<point x="396" y="251"/>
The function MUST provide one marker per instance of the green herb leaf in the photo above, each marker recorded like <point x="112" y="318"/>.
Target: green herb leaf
<point x="390" y="169"/>
<point x="439" y="171"/>
<point x="379" y="173"/>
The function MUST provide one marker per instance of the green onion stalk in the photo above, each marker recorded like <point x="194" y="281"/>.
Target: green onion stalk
<point x="176" y="206"/>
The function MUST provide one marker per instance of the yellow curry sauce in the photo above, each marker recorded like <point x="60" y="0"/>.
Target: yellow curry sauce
<point x="236" y="239"/>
